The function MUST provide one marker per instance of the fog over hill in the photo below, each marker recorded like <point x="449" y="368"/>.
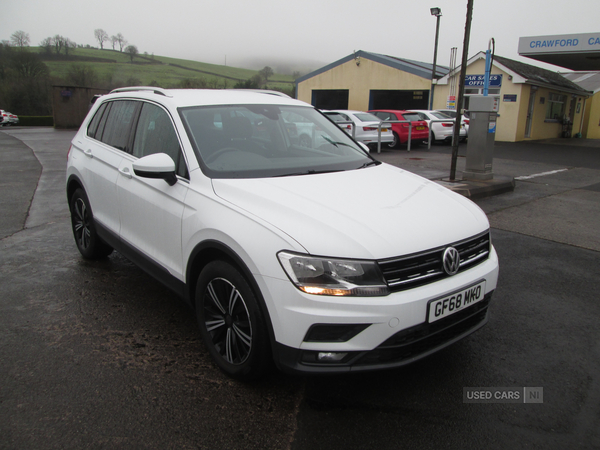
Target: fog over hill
<point x="283" y="66"/>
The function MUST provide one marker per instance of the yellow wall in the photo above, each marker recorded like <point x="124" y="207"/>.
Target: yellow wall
<point x="360" y="80"/>
<point x="591" y="127"/>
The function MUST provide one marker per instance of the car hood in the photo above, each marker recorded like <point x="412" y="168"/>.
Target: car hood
<point x="372" y="213"/>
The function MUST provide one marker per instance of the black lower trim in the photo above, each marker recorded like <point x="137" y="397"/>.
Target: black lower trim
<point x="405" y="347"/>
<point x="142" y="261"/>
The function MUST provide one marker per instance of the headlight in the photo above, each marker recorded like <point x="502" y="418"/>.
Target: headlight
<point x="330" y="276"/>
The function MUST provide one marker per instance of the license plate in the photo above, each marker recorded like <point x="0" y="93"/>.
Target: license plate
<point x="453" y="303"/>
<point x="384" y="129"/>
<point x="419" y="128"/>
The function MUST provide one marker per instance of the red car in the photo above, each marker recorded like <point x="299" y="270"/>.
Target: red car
<point x="420" y="130"/>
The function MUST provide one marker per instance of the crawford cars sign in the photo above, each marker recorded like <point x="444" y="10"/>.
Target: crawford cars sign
<point x="566" y="43"/>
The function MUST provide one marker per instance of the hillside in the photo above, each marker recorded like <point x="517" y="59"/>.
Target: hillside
<point x="115" y="68"/>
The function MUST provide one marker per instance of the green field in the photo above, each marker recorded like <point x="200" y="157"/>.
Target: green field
<point x="115" y="68"/>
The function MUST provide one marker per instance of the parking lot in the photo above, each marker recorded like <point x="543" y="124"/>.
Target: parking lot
<point x="99" y="355"/>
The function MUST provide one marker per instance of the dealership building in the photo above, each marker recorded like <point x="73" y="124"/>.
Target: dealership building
<point x="532" y="103"/>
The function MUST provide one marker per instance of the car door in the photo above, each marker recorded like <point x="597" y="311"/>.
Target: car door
<point x="105" y="145"/>
<point x="151" y="210"/>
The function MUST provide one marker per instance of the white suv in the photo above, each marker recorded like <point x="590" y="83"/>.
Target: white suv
<point x="317" y="257"/>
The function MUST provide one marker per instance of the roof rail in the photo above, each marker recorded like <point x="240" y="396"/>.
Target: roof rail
<point x="156" y="90"/>
<point x="263" y="91"/>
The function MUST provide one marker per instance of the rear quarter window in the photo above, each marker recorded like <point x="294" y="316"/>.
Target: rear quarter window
<point x="93" y="126"/>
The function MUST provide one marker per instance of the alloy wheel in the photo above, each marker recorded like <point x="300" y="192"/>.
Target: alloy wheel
<point x="227" y="321"/>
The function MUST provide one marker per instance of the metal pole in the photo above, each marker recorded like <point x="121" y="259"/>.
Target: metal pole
<point x="461" y="90"/>
<point x="433" y="77"/>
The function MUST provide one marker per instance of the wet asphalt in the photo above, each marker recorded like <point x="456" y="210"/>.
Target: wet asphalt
<point x="99" y="355"/>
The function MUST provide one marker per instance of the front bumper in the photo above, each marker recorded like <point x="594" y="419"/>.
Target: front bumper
<point x="405" y="347"/>
<point x="377" y="332"/>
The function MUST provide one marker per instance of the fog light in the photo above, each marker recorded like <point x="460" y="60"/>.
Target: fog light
<point x="330" y="356"/>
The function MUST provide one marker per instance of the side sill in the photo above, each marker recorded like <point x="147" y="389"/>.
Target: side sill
<point x="149" y="266"/>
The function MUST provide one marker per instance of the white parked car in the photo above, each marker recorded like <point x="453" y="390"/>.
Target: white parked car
<point x="321" y="259"/>
<point x="441" y="131"/>
<point x="4" y="117"/>
<point x="365" y="126"/>
<point x="464" y="118"/>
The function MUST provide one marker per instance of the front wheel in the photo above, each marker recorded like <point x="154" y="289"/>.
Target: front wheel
<point x="231" y="323"/>
<point x="88" y="242"/>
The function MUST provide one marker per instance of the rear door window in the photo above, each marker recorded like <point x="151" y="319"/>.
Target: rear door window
<point x="118" y="125"/>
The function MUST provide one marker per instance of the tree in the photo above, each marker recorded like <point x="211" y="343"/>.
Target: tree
<point x="27" y="65"/>
<point x="265" y="73"/>
<point x="250" y="83"/>
<point x="25" y="87"/>
<point x="132" y="51"/>
<point x="20" y="39"/>
<point x="59" y="43"/>
<point x="47" y="45"/>
<point x="69" y="44"/>
<point x="113" y="41"/>
<point x="120" y="39"/>
<point x="101" y="36"/>
<point x="80" y="75"/>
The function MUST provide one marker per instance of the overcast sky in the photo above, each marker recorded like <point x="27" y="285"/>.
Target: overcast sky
<point x="311" y="32"/>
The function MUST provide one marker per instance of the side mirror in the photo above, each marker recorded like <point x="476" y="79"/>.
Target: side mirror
<point x="158" y="165"/>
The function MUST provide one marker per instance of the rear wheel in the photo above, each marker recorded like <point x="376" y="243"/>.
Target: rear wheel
<point x="396" y="142"/>
<point x="88" y="242"/>
<point x="231" y="323"/>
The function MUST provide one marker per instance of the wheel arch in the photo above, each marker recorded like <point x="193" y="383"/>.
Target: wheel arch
<point x="73" y="183"/>
<point x="212" y="250"/>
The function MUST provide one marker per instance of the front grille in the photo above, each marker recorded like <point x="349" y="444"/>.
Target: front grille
<point x="418" y="269"/>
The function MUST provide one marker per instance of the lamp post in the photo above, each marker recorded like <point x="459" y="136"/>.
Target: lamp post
<point x="437" y="12"/>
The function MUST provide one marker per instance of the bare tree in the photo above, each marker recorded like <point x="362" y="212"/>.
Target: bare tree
<point x="20" y="39"/>
<point x="113" y="41"/>
<point x="47" y="45"/>
<point x="69" y="44"/>
<point x="132" y="51"/>
<point x="101" y="36"/>
<point x="120" y="39"/>
<point x="59" y="43"/>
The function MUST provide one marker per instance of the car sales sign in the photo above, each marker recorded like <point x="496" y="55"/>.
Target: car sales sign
<point x="479" y="80"/>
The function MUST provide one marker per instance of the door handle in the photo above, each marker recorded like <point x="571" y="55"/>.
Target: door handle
<point x="88" y="153"/>
<point x="125" y="172"/>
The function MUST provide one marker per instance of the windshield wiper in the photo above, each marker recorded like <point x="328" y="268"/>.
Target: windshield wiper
<point x="370" y="163"/>
<point x="308" y="172"/>
<point x="335" y="143"/>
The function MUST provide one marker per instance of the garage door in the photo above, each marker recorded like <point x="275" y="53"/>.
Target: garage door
<point x="393" y="99"/>
<point x="330" y="98"/>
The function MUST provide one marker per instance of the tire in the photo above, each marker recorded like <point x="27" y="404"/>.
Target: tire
<point x="396" y="142"/>
<point x="88" y="242"/>
<point x="231" y="323"/>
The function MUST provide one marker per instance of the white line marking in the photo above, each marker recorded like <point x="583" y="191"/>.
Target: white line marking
<point x="543" y="174"/>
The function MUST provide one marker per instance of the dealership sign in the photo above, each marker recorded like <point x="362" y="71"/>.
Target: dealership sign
<point x="565" y="43"/>
<point x="479" y="80"/>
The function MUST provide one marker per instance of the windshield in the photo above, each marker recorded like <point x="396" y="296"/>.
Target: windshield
<point x="255" y="141"/>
